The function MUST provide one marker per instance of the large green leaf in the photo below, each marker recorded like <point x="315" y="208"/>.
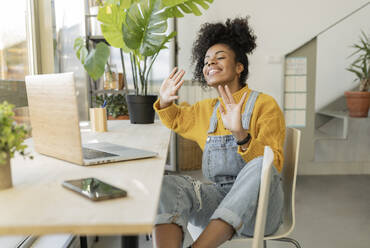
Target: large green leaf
<point x="173" y="12"/>
<point x="185" y="9"/>
<point x="96" y="60"/>
<point x="112" y="1"/>
<point x="168" y="38"/>
<point x="145" y="27"/>
<point x="125" y="4"/>
<point x="112" y="16"/>
<point x="80" y="49"/>
<point x="171" y="3"/>
<point x="176" y="8"/>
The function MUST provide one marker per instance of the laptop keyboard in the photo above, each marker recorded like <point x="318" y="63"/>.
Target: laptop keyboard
<point x="92" y="154"/>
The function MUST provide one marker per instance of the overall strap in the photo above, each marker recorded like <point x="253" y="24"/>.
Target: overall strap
<point x="248" y="110"/>
<point x="213" y="121"/>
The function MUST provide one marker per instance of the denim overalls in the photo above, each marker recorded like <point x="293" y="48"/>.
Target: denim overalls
<point x="232" y="196"/>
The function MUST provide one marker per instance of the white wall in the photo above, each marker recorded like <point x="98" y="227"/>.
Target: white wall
<point x="333" y="49"/>
<point x="280" y="26"/>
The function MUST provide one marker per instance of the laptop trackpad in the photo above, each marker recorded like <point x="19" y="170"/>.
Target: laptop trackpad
<point x="122" y="151"/>
<point x="93" y="154"/>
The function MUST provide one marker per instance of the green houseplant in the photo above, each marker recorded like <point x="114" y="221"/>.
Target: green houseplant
<point x="116" y="106"/>
<point x="11" y="139"/>
<point x="358" y="101"/>
<point x="138" y="27"/>
<point x="93" y="61"/>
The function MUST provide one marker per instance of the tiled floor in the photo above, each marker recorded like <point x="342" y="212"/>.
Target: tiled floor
<point x="331" y="211"/>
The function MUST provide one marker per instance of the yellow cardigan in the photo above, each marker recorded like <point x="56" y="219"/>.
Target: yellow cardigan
<point x="267" y="126"/>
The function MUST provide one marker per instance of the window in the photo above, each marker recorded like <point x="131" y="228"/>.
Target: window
<point x="13" y="52"/>
<point x="295" y="91"/>
<point x="68" y="25"/>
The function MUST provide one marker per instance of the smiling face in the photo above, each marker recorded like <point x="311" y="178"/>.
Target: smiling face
<point x="220" y="67"/>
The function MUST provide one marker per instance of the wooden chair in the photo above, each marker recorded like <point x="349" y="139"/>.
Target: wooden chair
<point x="289" y="174"/>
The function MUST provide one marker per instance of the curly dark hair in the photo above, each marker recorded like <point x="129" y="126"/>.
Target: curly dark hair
<point x="236" y="34"/>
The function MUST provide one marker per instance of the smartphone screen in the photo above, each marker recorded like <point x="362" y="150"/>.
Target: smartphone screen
<point x="94" y="189"/>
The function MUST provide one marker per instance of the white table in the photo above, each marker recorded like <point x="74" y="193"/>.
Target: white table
<point x="38" y="204"/>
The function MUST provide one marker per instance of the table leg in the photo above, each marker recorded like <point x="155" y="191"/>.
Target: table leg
<point x="130" y="242"/>
<point x="83" y="241"/>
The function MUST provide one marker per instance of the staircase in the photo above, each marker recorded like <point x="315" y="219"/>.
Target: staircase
<point x="342" y="138"/>
<point x="333" y="142"/>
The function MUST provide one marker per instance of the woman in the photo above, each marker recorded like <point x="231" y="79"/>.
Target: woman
<point x="232" y="131"/>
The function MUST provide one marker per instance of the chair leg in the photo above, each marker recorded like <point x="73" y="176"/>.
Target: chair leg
<point x="293" y="241"/>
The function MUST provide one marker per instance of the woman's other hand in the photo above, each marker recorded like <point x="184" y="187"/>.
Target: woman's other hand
<point x="170" y="87"/>
<point x="231" y="114"/>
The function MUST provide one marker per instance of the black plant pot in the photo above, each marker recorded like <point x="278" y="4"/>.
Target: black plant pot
<point x="140" y="108"/>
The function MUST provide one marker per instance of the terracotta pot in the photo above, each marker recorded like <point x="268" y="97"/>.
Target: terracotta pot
<point x="358" y="103"/>
<point x="5" y="175"/>
<point x="120" y="117"/>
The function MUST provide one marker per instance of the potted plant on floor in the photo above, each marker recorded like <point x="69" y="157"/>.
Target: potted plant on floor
<point x="116" y="106"/>
<point x="358" y="102"/>
<point x="11" y="139"/>
<point x="139" y="27"/>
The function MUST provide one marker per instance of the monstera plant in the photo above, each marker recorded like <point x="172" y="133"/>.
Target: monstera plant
<point x="139" y="28"/>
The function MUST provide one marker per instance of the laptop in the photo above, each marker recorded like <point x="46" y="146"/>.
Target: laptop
<point x="52" y="104"/>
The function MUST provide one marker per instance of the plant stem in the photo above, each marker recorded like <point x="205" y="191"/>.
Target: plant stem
<point x="136" y="73"/>
<point x="151" y="64"/>
<point x="144" y="79"/>
<point x="141" y="76"/>
<point x="133" y="66"/>
<point x="124" y="71"/>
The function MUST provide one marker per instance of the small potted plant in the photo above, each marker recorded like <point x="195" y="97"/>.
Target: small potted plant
<point x="358" y="101"/>
<point x="11" y="139"/>
<point x="139" y="28"/>
<point x="116" y="106"/>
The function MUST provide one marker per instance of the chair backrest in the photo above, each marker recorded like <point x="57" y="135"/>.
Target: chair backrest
<point x="289" y="174"/>
<point x="263" y="197"/>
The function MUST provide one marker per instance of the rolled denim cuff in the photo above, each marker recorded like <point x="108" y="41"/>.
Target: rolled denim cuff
<point x="171" y="219"/>
<point x="231" y="218"/>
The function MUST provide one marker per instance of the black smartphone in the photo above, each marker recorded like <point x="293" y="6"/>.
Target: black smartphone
<point x="94" y="189"/>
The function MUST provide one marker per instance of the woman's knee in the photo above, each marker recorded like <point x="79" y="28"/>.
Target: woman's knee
<point x="169" y="182"/>
<point x="174" y="197"/>
<point x="252" y="167"/>
<point x="170" y="190"/>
